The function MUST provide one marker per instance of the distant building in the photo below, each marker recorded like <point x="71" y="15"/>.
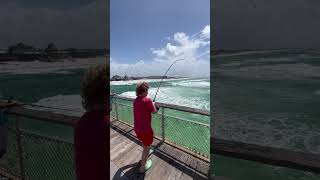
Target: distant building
<point x="125" y="78"/>
<point x="156" y="77"/>
<point x="116" y="78"/>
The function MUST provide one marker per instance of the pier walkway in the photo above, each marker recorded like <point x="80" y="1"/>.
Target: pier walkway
<point x="168" y="162"/>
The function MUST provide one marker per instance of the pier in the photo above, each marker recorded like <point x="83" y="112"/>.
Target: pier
<point x="36" y="153"/>
<point x="173" y="156"/>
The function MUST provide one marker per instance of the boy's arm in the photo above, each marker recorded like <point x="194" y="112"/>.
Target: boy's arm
<point x="155" y="108"/>
<point x="151" y="106"/>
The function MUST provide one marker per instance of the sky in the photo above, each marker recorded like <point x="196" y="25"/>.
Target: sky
<point x="72" y="23"/>
<point x="146" y="36"/>
<point x="265" y="24"/>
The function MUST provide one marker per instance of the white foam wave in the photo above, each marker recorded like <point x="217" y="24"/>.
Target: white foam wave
<point x="201" y="83"/>
<point x="271" y="129"/>
<point x="173" y="95"/>
<point x="132" y="82"/>
<point x="63" y="104"/>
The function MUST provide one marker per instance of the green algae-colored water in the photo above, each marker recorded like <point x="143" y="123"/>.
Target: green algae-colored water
<point x="267" y="98"/>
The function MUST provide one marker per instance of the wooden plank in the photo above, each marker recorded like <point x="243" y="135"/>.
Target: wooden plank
<point x="180" y="161"/>
<point x="124" y="150"/>
<point x="177" y="166"/>
<point x="174" y="174"/>
<point x="192" y="164"/>
<point x="185" y="176"/>
<point x="116" y="139"/>
<point x="119" y="147"/>
<point x="159" y="168"/>
<point x="127" y="159"/>
<point x="203" y="167"/>
<point x="132" y="155"/>
<point x="267" y="155"/>
<point x="112" y="134"/>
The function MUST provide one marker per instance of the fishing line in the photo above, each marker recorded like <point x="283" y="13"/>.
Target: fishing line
<point x="163" y="78"/>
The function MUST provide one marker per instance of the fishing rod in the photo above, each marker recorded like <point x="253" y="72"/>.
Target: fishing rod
<point x="164" y="76"/>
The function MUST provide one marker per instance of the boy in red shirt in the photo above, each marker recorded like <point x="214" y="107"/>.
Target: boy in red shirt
<point x="143" y="107"/>
<point x="92" y="133"/>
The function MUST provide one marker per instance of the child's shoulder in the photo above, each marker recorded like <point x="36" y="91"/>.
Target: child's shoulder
<point x="146" y="99"/>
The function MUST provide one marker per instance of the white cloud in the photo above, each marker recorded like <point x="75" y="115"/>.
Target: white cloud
<point x="193" y="49"/>
<point x="205" y="33"/>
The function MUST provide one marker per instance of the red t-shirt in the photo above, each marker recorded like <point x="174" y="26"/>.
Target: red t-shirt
<point x="92" y="146"/>
<point x="142" y="110"/>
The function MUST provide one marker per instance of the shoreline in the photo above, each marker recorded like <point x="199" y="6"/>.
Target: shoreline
<point x="250" y="52"/>
<point x="39" y="67"/>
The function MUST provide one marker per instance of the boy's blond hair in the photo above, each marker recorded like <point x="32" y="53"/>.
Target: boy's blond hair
<point x="95" y="87"/>
<point x="142" y="87"/>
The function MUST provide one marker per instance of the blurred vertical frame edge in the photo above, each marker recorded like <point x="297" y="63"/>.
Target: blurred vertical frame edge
<point x="245" y="151"/>
<point x="212" y="46"/>
<point x="108" y="46"/>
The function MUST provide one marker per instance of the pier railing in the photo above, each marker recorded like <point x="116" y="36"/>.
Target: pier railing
<point x="267" y="155"/>
<point x="36" y="149"/>
<point x="41" y="143"/>
<point x="186" y="128"/>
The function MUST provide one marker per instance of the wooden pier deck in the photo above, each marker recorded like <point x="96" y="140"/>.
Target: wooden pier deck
<point x="168" y="162"/>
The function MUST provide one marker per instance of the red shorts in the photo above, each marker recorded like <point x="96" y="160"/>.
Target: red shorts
<point x="145" y="138"/>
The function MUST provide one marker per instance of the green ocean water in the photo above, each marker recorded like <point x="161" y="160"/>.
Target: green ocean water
<point x="270" y="99"/>
<point x="30" y="88"/>
<point x="40" y="155"/>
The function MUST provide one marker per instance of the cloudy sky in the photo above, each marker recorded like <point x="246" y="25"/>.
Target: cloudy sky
<point x="259" y="24"/>
<point x="72" y="23"/>
<point x="147" y="36"/>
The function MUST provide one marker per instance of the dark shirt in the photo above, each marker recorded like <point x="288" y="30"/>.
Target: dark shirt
<point x="92" y="146"/>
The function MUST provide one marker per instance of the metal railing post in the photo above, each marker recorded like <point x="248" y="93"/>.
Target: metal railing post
<point x="162" y="124"/>
<point x="115" y="103"/>
<point x="20" y="149"/>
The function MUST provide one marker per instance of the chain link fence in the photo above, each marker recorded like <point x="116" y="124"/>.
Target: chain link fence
<point x="47" y="157"/>
<point x="186" y="129"/>
<point x="10" y="161"/>
<point x="32" y="155"/>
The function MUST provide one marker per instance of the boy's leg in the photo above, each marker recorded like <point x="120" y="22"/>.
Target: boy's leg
<point x="144" y="157"/>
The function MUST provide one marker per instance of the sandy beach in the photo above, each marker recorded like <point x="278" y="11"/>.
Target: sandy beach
<point x="34" y="67"/>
